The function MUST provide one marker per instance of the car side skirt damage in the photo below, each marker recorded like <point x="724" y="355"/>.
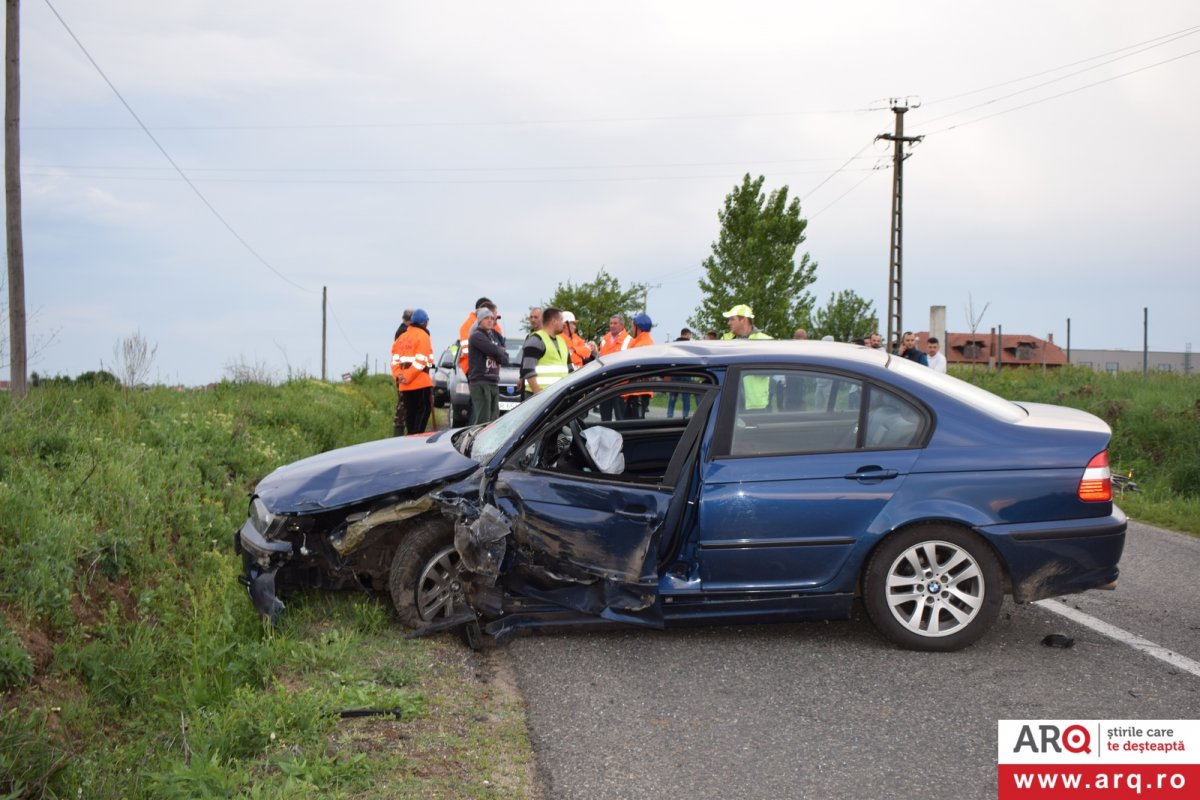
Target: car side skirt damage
<point x="504" y="576"/>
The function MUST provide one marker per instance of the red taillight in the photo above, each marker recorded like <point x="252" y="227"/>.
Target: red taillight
<point x="1096" y="484"/>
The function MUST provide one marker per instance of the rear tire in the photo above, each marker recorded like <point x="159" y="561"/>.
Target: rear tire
<point x="933" y="587"/>
<point x="424" y="577"/>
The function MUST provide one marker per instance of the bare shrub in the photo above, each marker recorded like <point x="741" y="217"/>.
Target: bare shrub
<point x="133" y="357"/>
<point x="242" y="371"/>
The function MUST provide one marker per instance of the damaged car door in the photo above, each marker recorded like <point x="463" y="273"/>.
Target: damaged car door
<point x="588" y="501"/>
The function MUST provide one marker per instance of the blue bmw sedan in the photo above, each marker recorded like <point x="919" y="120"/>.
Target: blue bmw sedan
<point x="709" y="482"/>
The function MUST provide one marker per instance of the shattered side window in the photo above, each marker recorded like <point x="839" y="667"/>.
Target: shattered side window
<point x="491" y="438"/>
<point x="627" y="436"/>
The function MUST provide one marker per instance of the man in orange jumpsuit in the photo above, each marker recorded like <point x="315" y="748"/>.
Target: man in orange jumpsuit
<point x="637" y="404"/>
<point x="412" y="359"/>
<point x="614" y="341"/>
<point x="401" y="415"/>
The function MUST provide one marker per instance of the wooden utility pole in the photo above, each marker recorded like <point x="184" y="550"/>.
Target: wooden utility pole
<point x="18" y="361"/>
<point x="324" y="329"/>
<point x="895" y="250"/>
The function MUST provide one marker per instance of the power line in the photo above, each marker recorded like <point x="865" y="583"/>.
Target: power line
<point x="1063" y="94"/>
<point x="525" y="168"/>
<point x="167" y="155"/>
<point x="825" y="208"/>
<point x="338" y="322"/>
<point x="431" y="182"/>
<point x="1047" y="83"/>
<point x="1173" y="36"/>
<point x="842" y="168"/>
<point x="456" y="124"/>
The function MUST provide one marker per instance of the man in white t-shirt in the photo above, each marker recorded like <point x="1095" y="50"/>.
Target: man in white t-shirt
<point x="933" y="349"/>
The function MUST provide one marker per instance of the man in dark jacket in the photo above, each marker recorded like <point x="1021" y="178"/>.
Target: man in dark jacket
<point x="485" y="356"/>
<point x="908" y="349"/>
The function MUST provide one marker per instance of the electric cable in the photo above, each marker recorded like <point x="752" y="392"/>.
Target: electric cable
<point x="167" y="156"/>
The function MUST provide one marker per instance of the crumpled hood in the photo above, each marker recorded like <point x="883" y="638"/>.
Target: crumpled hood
<point x="351" y="474"/>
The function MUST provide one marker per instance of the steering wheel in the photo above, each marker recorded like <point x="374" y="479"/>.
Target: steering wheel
<point x="579" y="445"/>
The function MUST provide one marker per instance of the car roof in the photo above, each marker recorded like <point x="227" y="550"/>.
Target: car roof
<point x="705" y="352"/>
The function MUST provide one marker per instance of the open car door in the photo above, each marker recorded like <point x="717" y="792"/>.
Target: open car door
<point x="586" y="504"/>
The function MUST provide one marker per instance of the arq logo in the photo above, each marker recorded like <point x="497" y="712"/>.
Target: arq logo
<point x="1073" y="739"/>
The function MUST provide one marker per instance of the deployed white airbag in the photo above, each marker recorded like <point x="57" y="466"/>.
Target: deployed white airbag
<point x="604" y="446"/>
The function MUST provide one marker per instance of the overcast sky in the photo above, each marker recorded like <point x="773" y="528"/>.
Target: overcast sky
<point x="423" y="154"/>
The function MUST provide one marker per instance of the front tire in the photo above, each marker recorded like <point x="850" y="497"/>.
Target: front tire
<point x="424" y="578"/>
<point x="933" y="587"/>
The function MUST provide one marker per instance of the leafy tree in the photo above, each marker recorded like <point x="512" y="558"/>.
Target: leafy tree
<point x="97" y="378"/>
<point x="593" y="303"/>
<point x="846" y="317"/>
<point x="754" y="262"/>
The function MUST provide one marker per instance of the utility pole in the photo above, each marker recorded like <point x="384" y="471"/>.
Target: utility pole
<point x="1145" y="341"/>
<point x="18" y="356"/>
<point x="324" y="327"/>
<point x="895" y="250"/>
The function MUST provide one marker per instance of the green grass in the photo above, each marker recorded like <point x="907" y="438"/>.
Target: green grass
<point x="131" y="662"/>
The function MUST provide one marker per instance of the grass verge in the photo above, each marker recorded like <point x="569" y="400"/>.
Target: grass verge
<point x="131" y="662"/>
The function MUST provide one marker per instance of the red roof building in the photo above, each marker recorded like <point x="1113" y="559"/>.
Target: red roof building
<point x="986" y="347"/>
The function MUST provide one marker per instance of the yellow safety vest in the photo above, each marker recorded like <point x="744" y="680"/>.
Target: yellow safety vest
<point x="755" y="388"/>
<point x="552" y="366"/>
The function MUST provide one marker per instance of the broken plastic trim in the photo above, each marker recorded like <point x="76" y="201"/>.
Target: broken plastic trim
<point x="262" y="594"/>
<point x="357" y="531"/>
<point x="480" y="542"/>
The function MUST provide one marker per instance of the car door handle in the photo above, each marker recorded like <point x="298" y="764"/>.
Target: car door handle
<point x="872" y="474"/>
<point x="640" y="516"/>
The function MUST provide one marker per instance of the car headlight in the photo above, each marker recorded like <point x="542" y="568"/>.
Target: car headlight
<point x="262" y="519"/>
<point x="462" y="388"/>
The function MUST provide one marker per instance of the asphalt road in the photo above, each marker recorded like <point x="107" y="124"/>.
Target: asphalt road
<point x="830" y="710"/>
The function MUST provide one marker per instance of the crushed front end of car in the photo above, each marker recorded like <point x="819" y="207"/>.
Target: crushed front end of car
<point x="335" y="520"/>
<point x="348" y="549"/>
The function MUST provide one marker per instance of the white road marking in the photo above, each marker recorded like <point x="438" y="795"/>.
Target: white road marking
<point x="1125" y="637"/>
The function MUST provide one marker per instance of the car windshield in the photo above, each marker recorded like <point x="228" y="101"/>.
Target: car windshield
<point x="490" y="439"/>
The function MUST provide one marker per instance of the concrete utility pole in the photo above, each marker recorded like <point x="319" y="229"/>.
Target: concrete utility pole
<point x="1145" y="342"/>
<point x="895" y="259"/>
<point x="18" y="357"/>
